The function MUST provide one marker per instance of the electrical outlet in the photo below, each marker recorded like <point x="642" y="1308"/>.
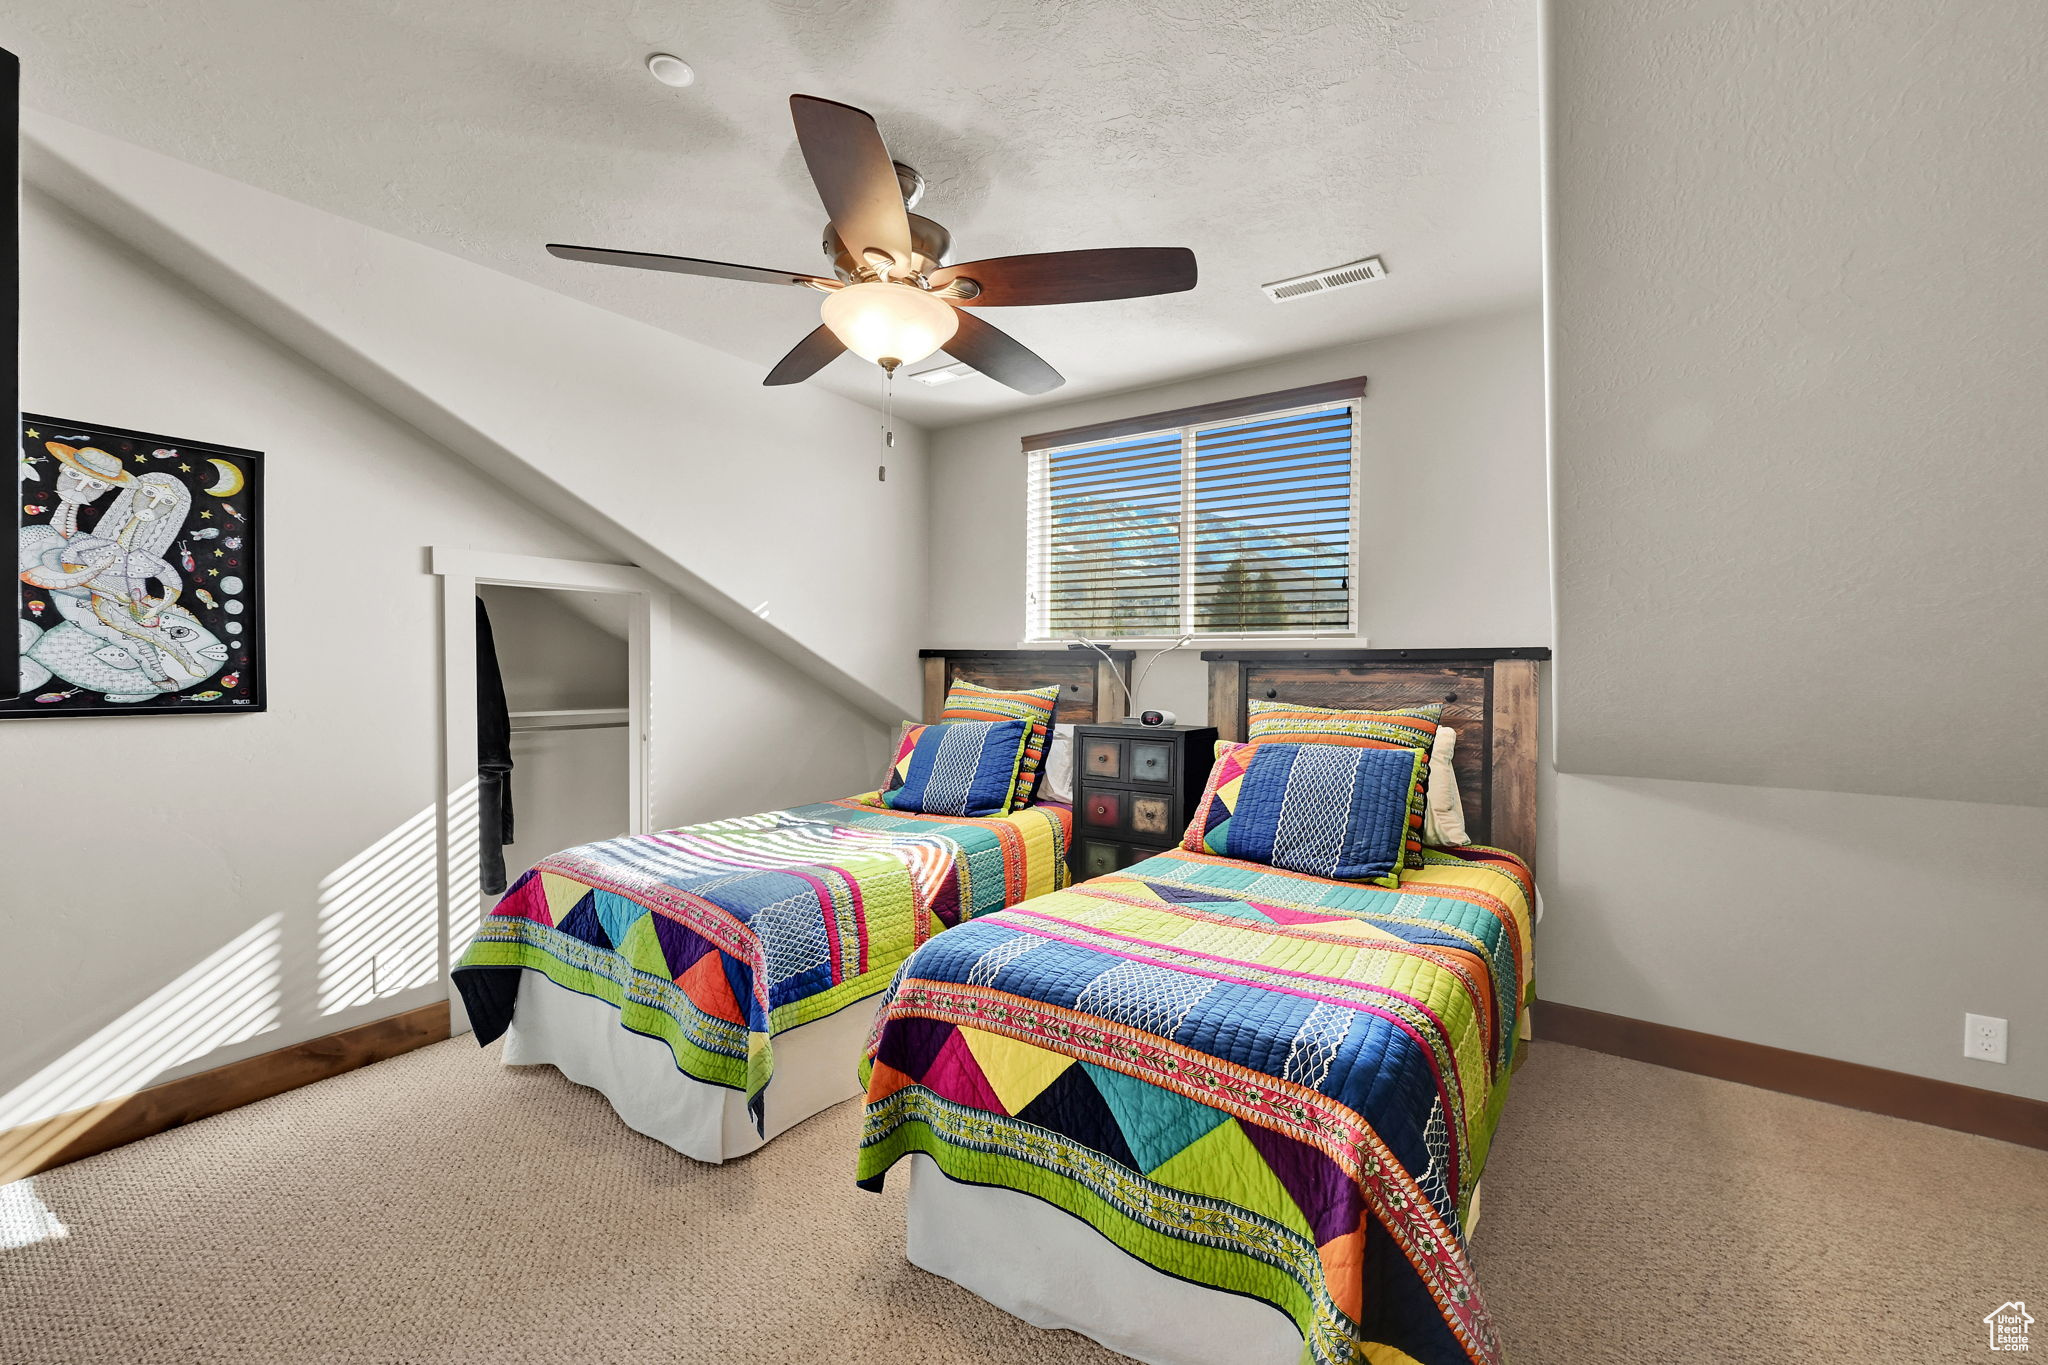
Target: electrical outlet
<point x="1983" y="1038"/>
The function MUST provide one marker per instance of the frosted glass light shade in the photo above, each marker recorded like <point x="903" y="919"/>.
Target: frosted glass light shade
<point x="890" y="324"/>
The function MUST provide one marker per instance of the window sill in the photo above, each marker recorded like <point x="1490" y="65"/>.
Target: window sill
<point x="1356" y="641"/>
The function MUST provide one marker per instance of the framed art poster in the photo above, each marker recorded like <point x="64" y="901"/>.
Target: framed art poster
<point x="141" y="579"/>
<point x="10" y="267"/>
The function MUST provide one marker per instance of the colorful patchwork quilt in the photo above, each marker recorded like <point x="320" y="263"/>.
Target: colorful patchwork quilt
<point x="1256" y="1080"/>
<point x="716" y="937"/>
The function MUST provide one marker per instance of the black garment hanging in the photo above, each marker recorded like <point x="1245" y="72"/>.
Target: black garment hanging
<point x="493" y="757"/>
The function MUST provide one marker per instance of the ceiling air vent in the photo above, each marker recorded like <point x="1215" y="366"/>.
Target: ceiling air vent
<point x="942" y="374"/>
<point x="1323" y="281"/>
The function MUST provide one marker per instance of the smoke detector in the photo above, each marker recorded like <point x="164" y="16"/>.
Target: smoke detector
<point x="670" y="69"/>
<point x="1323" y="281"/>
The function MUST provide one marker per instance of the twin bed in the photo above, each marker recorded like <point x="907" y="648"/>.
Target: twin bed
<point x="677" y="973"/>
<point x="1203" y="1109"/>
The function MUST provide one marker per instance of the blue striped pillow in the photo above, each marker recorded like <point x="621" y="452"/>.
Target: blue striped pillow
<point x="960" y="767"/>
<point x="1330" y="810"/>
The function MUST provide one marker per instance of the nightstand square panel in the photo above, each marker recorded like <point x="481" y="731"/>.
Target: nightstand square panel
<point x="1151" y="761"/>
<point x="1103" y="758"/>
<point x="1151" y="815"/>
<point x="1094" y="858"/>
<point x="1103" y="810"/>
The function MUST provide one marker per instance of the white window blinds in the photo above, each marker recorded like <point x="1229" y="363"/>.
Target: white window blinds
<point x="1239" y="525"/>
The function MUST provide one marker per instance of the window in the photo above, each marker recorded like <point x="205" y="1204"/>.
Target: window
<point x="1228" y="519"/>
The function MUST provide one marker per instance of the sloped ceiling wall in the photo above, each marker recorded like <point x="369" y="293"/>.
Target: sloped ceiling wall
<point x="761" y="506"/>
<point x="1800" y="371"/>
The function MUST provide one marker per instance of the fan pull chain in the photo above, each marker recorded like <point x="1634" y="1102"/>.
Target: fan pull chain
<point x="888" y="422"/>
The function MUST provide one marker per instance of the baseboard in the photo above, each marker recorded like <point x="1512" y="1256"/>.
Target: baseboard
<point x="2010" y="1118"/>
<point x="35" y="1147"/>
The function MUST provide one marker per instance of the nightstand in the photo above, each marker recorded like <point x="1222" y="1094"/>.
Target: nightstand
<point x="1135" y="789"/>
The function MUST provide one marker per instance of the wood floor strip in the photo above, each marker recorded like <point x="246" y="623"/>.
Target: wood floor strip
<point x="2009" y="1118"/>
<point x="35" y="1147"/>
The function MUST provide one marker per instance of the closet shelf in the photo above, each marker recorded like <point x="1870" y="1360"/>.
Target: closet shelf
<point x="582" y="718"/>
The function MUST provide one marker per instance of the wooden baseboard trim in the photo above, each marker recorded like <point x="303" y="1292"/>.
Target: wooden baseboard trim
<point x="2009" y="1118"/>
<point x="36" y="1147"/>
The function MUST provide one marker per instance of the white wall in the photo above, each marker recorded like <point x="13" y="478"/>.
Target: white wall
<point x="1799" y="323"/>
<point x="198" y="829"/>
<point x="1798" y="320"/>
<point x="758" y="504"/>
<point x="1849" y="926"/>
<point x="180" y="892"/>
<point x="738" y="731"/>
<point x="1453" y="549"/>
<point x="569" y="787"/>
<point x="558" y="650"/>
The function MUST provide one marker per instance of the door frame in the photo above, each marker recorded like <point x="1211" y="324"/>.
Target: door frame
<point x="461" y="571"/>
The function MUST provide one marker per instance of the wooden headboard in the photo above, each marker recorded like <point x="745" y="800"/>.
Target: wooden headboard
<point x="1083" y="675"/>
<point x="1489" y="698"/>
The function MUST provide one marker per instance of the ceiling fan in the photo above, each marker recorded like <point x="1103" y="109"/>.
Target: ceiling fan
<point x="892" y="297"/>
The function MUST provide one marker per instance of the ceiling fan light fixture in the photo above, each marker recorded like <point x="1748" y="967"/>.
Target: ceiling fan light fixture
<point x="892" y="301"/>
<point x="889" y="324"/>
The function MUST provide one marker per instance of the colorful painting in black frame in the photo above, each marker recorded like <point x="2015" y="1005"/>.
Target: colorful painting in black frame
<point x="141" y="573"/>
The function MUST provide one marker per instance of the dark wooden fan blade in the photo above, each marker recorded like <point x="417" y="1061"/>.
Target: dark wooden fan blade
<point x="1001" y="357"/>
<point x="1127" y="272"/>
<point x="853" y="173"/>
<point x="685" y="265"/>
<point x="810" y="355"/>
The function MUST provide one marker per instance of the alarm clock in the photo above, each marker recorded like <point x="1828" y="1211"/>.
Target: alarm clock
<point x="1155" y="718"/>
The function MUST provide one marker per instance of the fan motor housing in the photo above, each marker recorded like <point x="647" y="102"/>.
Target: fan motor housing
<point x="931" y="246"/>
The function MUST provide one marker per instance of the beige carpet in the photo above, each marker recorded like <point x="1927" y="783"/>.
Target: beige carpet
<point x="440" y="1207"/>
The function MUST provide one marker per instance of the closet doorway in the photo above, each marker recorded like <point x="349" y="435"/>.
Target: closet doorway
<point x="562" y="657"/>
<point x="576" y="644"/>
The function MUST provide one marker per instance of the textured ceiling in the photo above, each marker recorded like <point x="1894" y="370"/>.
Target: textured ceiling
<point x="1273" y="139"/>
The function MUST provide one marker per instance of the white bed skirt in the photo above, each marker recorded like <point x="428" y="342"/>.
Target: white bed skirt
<point x="815" y="1068"/>
<point x="1052" y="1270"/>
